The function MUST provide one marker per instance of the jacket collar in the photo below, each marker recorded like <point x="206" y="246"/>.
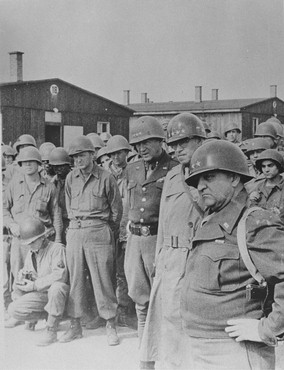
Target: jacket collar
<point x="94" y="172"/>
<point x="161" y="169"/>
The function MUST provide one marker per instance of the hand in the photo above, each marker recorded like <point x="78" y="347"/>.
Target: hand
<point x="28" y="287"/>
<point x="254" y="195"/>
<point x="15" y="229"/>
<point x="243" y="329"/>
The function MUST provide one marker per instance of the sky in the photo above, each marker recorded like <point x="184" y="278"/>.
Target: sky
<point x="162" y="47"/>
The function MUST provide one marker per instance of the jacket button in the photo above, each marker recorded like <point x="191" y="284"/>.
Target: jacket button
<point x="142" y="209"/>
<point x="143" y="199"/>
<point x="141" y="220"/>
<point x="144" y="189"/>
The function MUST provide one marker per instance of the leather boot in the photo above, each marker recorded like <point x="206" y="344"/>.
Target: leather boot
<point x="12" y="323"/>
<point x="30" y="325"/>
<point x="96" y="323"/>
<point x="147" y="365"/>
<point x="74" y="332"/>
<point x="112" y="337"/>
<point x="49" y="337"/>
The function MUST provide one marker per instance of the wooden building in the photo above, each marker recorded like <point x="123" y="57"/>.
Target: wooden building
<point x="247" y="113"/>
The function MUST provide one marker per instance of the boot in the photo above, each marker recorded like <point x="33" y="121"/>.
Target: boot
<point x="96" y="323"/>
<point x="49" y="337"/>
<point x="112" y="337"/>
<point x="30" y="325"/>
<point x="12" y="323"/>
<point x="74" y="332"/>
<point x="147" y="365"/>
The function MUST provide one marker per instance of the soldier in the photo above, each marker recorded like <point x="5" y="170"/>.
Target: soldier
<point x="9" y="154"/>
<point x="105" y="136"/>
<point x="60" y="162"/>
<point x="103" y="158"/>
<point x="41" y="287"/>
<point x="45" y="149"/>
<point x="94" y="209"/>
<point x="28" y="194"/>
<point x="118" y="149"/>
<point x="232" y="132"/>
<point x="145" y="180"/>
<point x="227" y="321"/>
<point x="267" y="131"/>
<point x="180" y="213"/>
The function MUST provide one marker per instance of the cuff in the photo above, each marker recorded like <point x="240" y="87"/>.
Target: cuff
<point x="265" y="333"/>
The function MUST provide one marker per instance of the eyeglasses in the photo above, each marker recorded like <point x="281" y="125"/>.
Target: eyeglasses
<point x="182" y="143"/>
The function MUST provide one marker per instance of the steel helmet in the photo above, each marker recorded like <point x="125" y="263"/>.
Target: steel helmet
<point x="218" y="155"/>
<point x="81" y="144"/>
<point x="273" y="155"/>
<point x="145" y="128"/>
<point x="105" y="136"/>
<point x="31" y="229"/>
<point x="116" y="143"/>
<point x="277" y="125"/>
<point x="25" y="139"/>
<point x="8" y="150"/>
<point x="258" y="143"/>
<point x="214" y="135"/>
<point x="103" y="151"/>
<point x="266" y="129"/>
<point x="3" y="164"/>
<point x="184" y="125"/>
<point x="45" y="149"/>
<point x="96" y="140"/>
<point x="231" y="126"/>
<point x="29" y="153"/>
<point x="59" y="157"/>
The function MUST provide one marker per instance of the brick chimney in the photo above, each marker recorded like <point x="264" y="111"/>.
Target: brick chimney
<point x="215" y="94"/>
<point x="144" y="98"/>
<point x="198" y="94"/>
<point x="126" y="97"/>
<point x="273" y="91"/>
<point x="16" y="66"/>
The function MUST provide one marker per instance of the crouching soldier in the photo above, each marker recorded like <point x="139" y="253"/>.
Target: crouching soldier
<point x="41" y="289"/>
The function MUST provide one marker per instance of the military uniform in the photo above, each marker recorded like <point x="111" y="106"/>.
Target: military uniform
<point x="180" y="213"/>
<point x="19" y="203"/>
<point x="60" y="189"/>
<point x="50" y="285"/>
<point x="94" y="208"/>
<point x="144" y="195"/>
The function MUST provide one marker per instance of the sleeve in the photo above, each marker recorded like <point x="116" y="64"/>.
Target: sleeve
<point x="7" y="205"/>
<point x="68" y="195"/>
<point x="58" y="269"/>
<point x="55" y="213"/>
<point x="265" y="236"/>
<point x="115" y="203"/>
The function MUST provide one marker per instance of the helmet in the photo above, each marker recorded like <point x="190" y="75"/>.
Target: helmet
<point x="116" y="143"/>
<point x="96" y="140"/>
<point x="103" y="151"/>
<point x="184" y="125"/>
<point x="145" y="128"/>
<point x="277" y="125"/>
<point x="231" y="126"/>
<point x="45" y="150"/>
<point x="25" y="139"/>
<point x="58" y="157"/>
<point x="31" y="229"/>
<point x="257" y="143"/>
<point x="105" y="136"/>
<point x="214" y="135"/>
<point x="218" y="155"/>
<point x="3" y="164"/>
<point x="81" y="144"/>
<point x="29" y="154"/>
<point x="273" y="155"/>
<point x="266" y="129"/>
<point x="8" y="150"/>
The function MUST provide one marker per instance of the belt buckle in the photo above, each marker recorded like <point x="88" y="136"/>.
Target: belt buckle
<point x="145" y="230"/>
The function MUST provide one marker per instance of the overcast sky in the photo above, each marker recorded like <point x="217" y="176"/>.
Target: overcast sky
<point x="162" y="47"/>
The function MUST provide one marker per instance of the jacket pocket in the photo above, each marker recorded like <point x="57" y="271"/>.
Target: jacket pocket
<point x="41" y="205"/>
<point x="19" y="204"/>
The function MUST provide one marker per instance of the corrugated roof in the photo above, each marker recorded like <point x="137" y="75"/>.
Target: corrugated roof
<point x="192" y="106"/>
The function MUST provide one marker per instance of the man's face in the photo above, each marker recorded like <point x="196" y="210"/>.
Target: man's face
<point x="9" y="159"/>
<point x="232" y="136"/>
<point x="216" y="189"/>
<point x="30" y="167"/>
<point x="269" y="169"/>
<point x="61" y="170"/>
<point x="83" y="161"/>
<point x="150" y="149"/>
<point x="184" y="149"/>
<point x="254" y="155"/>
<point x="119" y="158"/>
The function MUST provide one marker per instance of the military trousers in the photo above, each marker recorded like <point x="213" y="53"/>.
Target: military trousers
<point x="18" y="256"/>
<point x="33" y="306"/>
<point x="91" y="247"/>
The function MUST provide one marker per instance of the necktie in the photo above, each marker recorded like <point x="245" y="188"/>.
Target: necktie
<point x="34" y="261"/>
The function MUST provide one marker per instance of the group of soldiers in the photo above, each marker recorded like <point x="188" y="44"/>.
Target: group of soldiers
<point x="156" y="223"/>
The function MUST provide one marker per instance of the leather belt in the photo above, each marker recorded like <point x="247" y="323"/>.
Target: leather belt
<point x="143" y="230"/>
<point x="79" y="223"/>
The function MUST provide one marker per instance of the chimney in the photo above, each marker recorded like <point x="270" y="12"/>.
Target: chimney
<point x="215" y="94"/>
<point x="144" y="98"/>
<point x="198" y="94"/>
<point x="273" y="91"/>
<point x="126" y="97"/>
<point x="16" y="66"/>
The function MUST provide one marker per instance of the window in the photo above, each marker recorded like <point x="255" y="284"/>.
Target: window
<point x="255" y="123"/>
<point x="103" y="127"/>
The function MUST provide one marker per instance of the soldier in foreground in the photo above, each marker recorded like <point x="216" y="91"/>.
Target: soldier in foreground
<point x="226" y="306"/>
